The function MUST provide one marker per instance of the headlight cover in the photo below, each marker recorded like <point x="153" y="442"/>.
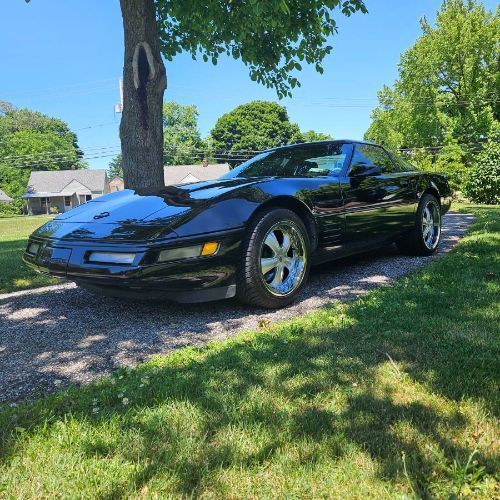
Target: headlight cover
<point x="181" y="253"/>
<point x="111" y="257"/>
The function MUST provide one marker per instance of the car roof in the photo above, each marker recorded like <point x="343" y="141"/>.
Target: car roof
<point x="327" y="141"/>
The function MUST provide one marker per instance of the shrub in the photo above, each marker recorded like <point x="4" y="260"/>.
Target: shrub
<point x="451" y="162"/>
<point x="483" y="180"/>
<point x="422" y="160"/>
<point x="10" y="209"/>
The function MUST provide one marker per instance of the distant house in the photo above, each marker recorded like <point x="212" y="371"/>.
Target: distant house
<point x="4" y="198"/>
<point x="63" y="189"/>
<point x="183" y="174"/>
<point x="116" y="184"/>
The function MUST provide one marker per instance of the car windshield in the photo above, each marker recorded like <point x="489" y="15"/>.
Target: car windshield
<point x="308" y="160"/>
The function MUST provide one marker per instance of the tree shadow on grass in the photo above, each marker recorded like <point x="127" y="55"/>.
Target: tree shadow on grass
<point x="304" y="394"/>
<point x="277" y="385"/>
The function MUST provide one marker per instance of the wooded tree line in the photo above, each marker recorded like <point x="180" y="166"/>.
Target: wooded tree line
<point x="447" y="93"/>
<point x="30" y="140"/>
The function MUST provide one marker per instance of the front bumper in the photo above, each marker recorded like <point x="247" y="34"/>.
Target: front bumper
<point x="144" y="277"/>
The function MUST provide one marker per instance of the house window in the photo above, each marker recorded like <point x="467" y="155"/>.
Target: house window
<point x="85" y="197"/>
<point x="44" y="202"/>
<point x="67" y="201"/>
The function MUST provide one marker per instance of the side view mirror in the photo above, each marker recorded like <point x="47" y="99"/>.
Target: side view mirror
<point x="363" y="169"/>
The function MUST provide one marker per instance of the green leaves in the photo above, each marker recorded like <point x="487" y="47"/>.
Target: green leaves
<point x="483" y="181"/>
<point x="272" y="38"/>
<point x="447" y="90"/>
<point x="253" y="127"/>
<point x="32" y="141"/>
<point x="182" y="142"/>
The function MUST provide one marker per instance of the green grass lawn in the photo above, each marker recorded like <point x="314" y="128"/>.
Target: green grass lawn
<point x="14" y="275"/>
<point x="393" y="395"/>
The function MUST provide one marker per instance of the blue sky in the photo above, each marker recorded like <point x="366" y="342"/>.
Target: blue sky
<point x="64" y="58"/>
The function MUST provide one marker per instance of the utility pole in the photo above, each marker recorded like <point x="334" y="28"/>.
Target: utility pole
<point x="119" y="106"/>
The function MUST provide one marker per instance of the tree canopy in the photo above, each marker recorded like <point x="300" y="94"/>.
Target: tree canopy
<point x="312" y="135"/>
<point x="30" y="140"/>
<point x="181" y="137"/>
<point x="254" y="126"/>
<point x="272" y="38"/>
<point x="115" y="168"/>
<point x="448" y="85"/>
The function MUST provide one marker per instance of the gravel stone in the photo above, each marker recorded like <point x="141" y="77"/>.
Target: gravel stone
<point x="59" y="335"/>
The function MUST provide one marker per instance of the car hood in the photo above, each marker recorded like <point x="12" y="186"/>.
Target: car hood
<point x="141" y="215"/>
<point x="131" y="207"/>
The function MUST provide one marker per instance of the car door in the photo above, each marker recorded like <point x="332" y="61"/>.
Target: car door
<point x="378" y="198"/>
<point x="326" y="195"/>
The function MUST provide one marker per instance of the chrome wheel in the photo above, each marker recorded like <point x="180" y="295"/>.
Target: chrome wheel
<point x="283" y="258"/>
<point x="431" y="225"/>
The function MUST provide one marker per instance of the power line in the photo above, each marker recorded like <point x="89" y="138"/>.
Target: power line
<point x="236" y="155"/>
<point x="50" y="156"/>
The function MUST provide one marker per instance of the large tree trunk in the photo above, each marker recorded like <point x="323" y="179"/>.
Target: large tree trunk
<point x="144" y="81"/>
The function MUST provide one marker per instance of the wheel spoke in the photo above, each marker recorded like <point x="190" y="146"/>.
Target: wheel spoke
<point x="288" y="262"/>
<point x="286" y="242"/>
<point x="267" y="264"/>
<point x="272" y="242"/>
<point x="278" y="276"/>
<point x="426" y="215"/>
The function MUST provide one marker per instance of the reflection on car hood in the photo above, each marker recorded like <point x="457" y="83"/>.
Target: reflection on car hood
<point x="139" y="215"/>
<point x="131" y="207"/>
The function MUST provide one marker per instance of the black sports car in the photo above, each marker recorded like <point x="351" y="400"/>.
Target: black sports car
<point x="252" y="233"/>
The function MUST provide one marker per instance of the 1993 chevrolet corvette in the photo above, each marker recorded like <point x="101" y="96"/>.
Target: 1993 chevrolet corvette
<point x="253" y="233"/>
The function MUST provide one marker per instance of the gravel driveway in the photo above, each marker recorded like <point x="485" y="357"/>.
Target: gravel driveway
<point x="58" y="335"/>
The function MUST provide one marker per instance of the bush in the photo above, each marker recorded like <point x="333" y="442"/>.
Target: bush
<point x="422" y="160"/>
<point x="451" y="162"/>
<point x="11" y="209"/>
<point x="483" y="180"/>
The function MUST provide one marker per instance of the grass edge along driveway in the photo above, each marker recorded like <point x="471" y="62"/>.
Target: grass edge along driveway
<point x="14" y="274"/>
<point x="393" y="394"/>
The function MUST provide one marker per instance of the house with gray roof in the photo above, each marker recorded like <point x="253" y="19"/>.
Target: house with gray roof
<point x="61" y="190"/>
<point x="5" y="198"/>
<point x="183" y="174"/>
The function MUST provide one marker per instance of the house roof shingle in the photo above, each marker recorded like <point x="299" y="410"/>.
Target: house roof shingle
<point x="175" y="174"/>
<point x="54" y="181"/>
<point x="5" y="198"/>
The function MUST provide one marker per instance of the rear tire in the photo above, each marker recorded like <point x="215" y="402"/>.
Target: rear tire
<point x="275" y="261"/>
<point x="425" y="236"/>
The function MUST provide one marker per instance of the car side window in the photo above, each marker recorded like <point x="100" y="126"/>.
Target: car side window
<point x="367" y="154"/>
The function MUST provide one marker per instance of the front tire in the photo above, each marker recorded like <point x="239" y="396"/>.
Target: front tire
<point x="275" y="262"/>
<point x="425" y="237"/>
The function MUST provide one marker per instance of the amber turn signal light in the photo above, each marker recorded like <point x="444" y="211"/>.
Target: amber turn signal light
<point x="209" y="248"/>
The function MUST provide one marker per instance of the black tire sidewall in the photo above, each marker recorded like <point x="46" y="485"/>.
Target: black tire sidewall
<point x="424" y="201"/>
<point x="250" y="287"/>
